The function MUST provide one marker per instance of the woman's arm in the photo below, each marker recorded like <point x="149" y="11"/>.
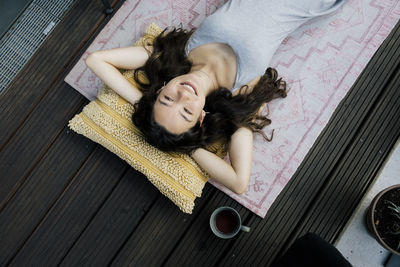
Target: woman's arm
<point x="105" y="63"/>
<point x="237" y="175"/>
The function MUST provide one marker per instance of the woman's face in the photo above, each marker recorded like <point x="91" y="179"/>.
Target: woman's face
<point x="179" y="105"/>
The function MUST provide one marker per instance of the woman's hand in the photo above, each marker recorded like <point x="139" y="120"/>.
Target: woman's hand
<point x="105" y="63"/>
<point x="237" y="175"/>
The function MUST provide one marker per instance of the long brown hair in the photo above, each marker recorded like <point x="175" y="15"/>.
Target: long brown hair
<point x="225" y="112"/>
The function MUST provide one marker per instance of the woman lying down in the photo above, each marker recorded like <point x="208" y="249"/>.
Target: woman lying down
<point x="208" y="84"/>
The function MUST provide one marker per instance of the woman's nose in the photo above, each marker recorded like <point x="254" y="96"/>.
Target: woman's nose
<point x="183" y="94"/>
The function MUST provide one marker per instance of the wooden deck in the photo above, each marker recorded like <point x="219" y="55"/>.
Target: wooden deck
<point x="67" y="201"/>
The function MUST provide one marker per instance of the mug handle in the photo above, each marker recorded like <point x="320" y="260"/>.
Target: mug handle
<point x="245" y="228"/>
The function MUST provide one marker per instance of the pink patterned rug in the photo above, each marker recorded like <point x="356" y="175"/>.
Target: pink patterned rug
<point x="320" y="61"/>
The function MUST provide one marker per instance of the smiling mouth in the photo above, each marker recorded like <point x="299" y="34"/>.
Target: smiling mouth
<point x="190" y="87"/>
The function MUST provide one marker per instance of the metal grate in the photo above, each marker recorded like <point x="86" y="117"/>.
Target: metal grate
<point x="26" y="35"/>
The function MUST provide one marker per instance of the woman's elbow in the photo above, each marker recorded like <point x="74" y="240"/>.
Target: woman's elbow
<point x="241" y="188"/>
<point x="91" y="58"/>
<point x="88" y="60"/>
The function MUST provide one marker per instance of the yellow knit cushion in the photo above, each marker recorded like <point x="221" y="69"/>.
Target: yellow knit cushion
<point x="107" y="121"/>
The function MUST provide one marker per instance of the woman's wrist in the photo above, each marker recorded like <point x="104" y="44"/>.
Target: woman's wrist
<point x="194" y="152"/>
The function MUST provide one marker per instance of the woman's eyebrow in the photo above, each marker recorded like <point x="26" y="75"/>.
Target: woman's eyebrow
<point x="165" y="104"/>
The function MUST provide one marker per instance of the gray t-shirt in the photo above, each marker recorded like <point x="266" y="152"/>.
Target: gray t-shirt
<point x="255" y="28"/>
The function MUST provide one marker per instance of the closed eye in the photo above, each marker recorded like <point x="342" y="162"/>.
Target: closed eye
<point x="188" y="111"/>
<point x="165" y="104"/>
<point x="168" y="98"/>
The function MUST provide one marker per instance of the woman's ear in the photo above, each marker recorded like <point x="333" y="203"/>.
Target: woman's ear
<point x="203" y="114"/>
<point x="159" y="90"/>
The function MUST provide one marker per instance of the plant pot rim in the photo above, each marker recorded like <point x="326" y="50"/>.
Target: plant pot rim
<point x="371" y="217"/>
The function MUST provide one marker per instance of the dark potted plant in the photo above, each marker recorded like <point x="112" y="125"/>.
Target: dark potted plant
<point x="383" y="218"/>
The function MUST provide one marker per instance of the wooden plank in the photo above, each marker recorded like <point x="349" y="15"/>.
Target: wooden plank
<point x="159" y="232"/>
<point x="353" y="104"/>
<point x="144" y="239"/>
<point x="199" y="246"/>
<point x="20" y="154"/>
<point x="35" y="198"/>
<point x="30" y="144"/>
<point x="153" y="239"/>
<point x="362" y="138"/>
<point x="66" y="220"/>
<point x="353" y="175"/>
<point x="372" y="144"/>
<point x="109" y="229"/>
<point x="79" y="26"/>
<point x="314" y="171"/>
